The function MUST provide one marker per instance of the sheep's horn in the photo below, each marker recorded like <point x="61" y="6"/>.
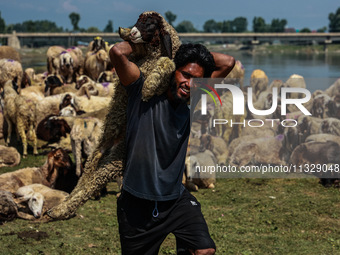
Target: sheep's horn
<point x="124" y="33"/>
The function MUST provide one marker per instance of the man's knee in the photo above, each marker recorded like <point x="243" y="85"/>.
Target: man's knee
<point x="209" y="251"/>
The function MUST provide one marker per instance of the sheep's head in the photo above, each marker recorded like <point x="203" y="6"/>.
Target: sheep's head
<point x="66" y="60"/>
<point x="53" y="81"/>
<point x="82" y="80"/>
<point x="150" y="29"/>
<point x="34" y="200"/>
<point x="67" y="100"/>
<point x="59" y="158"/>
<point x="102" y="56"/>
<point x="98" y="43"/>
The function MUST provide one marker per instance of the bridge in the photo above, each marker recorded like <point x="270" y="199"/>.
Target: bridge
<point x="70" y="39"/>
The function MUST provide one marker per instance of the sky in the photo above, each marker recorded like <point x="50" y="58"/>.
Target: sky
<point x="96" y="13"/>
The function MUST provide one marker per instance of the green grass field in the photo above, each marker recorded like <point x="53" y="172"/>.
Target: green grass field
<point x="245" y="216"/>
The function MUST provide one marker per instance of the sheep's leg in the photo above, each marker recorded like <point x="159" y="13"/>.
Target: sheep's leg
<point x="21" y="130"/>
<point x="98" y="171"/>
<point x="76" y="150"/>
<point x="9" y="132"/>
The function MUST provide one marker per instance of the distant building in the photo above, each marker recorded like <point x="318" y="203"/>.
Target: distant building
<point x="290" y="30"/>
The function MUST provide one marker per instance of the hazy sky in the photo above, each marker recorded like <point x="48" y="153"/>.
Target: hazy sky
<point x="299" y="14"/>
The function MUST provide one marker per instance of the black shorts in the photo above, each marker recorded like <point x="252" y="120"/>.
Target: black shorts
<point x="141" y="233"/>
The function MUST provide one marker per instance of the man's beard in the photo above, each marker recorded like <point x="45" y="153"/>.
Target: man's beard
<point x="173" y="89"/>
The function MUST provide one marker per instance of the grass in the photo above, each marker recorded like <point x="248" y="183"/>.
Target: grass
<point x="245" y="216"/>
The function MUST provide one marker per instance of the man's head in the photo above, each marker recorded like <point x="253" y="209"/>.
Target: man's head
<point x="192" y="61"/>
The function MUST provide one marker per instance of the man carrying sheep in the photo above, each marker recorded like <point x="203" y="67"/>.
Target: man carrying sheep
<point x="154" y="202"/>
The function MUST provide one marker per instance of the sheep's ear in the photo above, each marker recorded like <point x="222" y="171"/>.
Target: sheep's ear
<point x="167" y="43"/>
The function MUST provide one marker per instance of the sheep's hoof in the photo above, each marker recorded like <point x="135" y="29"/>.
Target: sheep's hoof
<point x="211" y="186"/>
<point x="24" y="156"/>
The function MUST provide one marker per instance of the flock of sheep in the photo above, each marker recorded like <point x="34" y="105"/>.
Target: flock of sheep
<point x="307" y="144"/>
<point x="65" y="107"/>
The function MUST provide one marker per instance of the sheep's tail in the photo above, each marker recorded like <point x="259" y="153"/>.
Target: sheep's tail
<point x="99" y="170"/>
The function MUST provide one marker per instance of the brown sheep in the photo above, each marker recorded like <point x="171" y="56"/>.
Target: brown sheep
<point x="95" y="64"/>
<point x="57" y="172"/>
<point x="9" y="53"/>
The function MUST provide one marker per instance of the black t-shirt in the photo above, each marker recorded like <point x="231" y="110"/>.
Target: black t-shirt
<point x="157" y="139"/>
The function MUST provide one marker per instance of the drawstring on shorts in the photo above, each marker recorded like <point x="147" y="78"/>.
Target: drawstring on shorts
<point x="155" y="212"/>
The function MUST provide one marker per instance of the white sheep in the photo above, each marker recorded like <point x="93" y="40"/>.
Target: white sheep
<point x="19" y="111"/>
<point x="96" y="63"/>
<point x="39" y="199"/>
<point x="95" y="88"/>
<point x="258" y="81"/>
<point x="9" y="156"/>
<point x="53" y="59"/>
<point x="85" y="136"/>
<point x="196" y="170"/>
<point x="83" y="103"/>
<point x="70" y="66"/>
<point x="10" y="70"/>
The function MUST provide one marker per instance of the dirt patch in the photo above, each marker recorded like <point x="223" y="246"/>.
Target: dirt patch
<point x="36" y="235"/>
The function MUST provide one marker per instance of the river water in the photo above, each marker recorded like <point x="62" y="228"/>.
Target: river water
<point x="319" y="70"/>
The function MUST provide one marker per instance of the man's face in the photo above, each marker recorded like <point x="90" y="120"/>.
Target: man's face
<point x="182" y="80"/>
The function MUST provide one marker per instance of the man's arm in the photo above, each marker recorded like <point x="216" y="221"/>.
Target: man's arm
<point x="224" y="64"/>
<point x="127" y="71"/>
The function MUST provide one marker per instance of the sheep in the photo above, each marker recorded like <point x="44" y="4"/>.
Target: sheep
<point x="85" y="136"/>
<point x="258" y="81"/>
<point x="35" y="93"/>
<point x="236" y="75"/>
<point x="10" y="70"/>
<point x="70" y="65"/>
<point x="20" y="111"/>
<point x="317" y="153"/>
<point x="97" y="44"/>
<point x="8" y="207"/>
<point x="96" y="63"/>
<point x="216" y="145"/>
<point x="106" y="162"/>
<point x="57" y="172"/>
<point x="94" y="88"/>
<point x="196" y="170"/>
<point x="334" y="88"/>
<point x="9" y="156"/>
<point x="295" y="81"/>
<point x="52" y="129"/>
<point x="39" y="199"/>
<point x="264" y="150"/>
<point x="330" y="126"/>
<point x="319" y="105"/>
<point x="228" y="131"/>
<point x="333" y="107"/>
<point x="53" y="59"/>
<point x="81" y="103"/>
<point x="323" y="138"/>
<point x="9" y="53"/>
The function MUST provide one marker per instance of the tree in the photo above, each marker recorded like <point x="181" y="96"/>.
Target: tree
<point x="170" y="17"/>
<point x="211" y="26"/>
<point x="2" y="25"/>
<point x="74" y="17"/>
<point x="93" y="30"/>
<point x="305" y="30"/>
<point x="322" y="30"/>
<point x="185" y="27"/>
<point x="239" y="24"/>
<point x="334" y="21"/>
<point x="259" y="25"/>
<point x="278" y="26"/>
<point x="109" y="27"/>
<point x="226" y="26"/>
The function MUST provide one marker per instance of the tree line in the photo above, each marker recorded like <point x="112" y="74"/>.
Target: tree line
<point x="237" y="25"/>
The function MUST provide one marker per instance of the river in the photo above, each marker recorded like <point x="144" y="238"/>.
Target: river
<point x="319" y="70"/>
